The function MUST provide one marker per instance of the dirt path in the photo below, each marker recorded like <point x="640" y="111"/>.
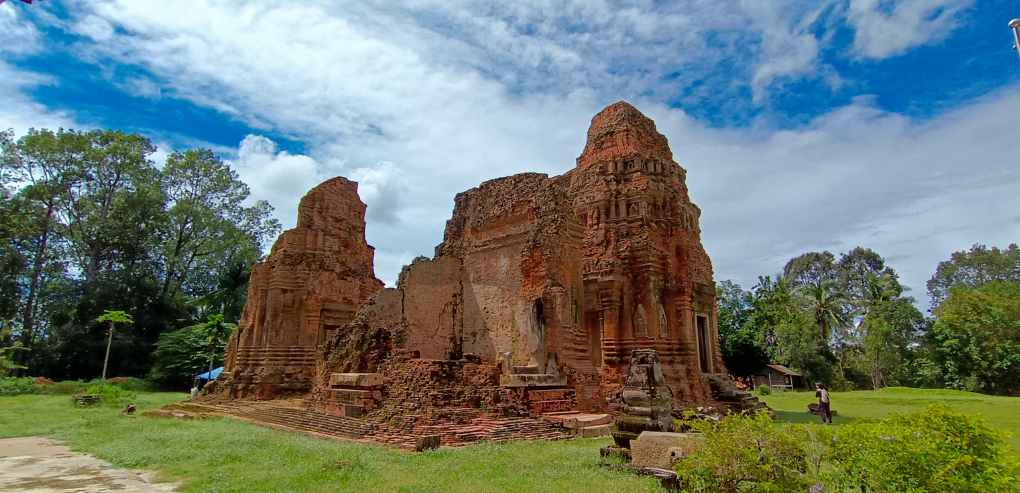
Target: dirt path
<point x="41" y="465"/>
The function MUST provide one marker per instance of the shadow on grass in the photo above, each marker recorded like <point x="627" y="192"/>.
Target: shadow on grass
<point x="806" y="417"/>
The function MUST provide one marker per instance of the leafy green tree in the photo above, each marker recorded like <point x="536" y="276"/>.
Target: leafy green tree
<point x="811" y="269"/>
<point x="858" y="271"/>
<point x="972" y="268"/>
<point x="182" y="353"/>
<point x="893" y="331"/>
<point x="976" y="337"/>
<point x="741" y="343"/>
<point x="113" y="204"/>
<point x="210" y="229"/>
<point x="111" y="318"/>
<point x="827" y="305"/>
<point x="786" y="332"/>
<point x="7" y="351"/>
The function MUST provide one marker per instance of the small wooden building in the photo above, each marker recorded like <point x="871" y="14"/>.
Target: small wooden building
<point x="778" y="377"/>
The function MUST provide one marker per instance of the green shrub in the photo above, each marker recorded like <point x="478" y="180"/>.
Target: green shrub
<point x="935" y="450"/>
<point x="65" y="387"/>
<point x="762" y="390"/>
<point x="745" y="454"/>
<point x="110" y="394"/>
<point x="17" y="385"/>
<point x="129" y="383"/>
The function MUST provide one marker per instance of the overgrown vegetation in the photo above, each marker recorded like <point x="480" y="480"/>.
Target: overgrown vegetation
<point x="934" y="450"/>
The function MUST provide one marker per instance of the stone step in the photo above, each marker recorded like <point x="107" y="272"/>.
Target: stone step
<point x="594" y="431"/>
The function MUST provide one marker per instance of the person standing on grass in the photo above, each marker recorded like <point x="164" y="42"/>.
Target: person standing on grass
<point x="824" y="410"/>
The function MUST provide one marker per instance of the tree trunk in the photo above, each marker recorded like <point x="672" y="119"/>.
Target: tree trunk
<point x="109" y="342"/>
<point x="28" y="313"/>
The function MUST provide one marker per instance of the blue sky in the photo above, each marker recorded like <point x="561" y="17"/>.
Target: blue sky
<point x="803" y="124"/>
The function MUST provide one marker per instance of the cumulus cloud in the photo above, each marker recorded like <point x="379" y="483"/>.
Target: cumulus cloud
<point x="17" y="110"/>
<point x="277" y="176"/>
<point x="884" y="29"/>
<point x="420" y="100"/>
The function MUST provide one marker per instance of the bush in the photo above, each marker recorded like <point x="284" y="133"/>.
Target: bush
<point x="17" y="385"/>
<point x="745" y="454"/>
<point x="110" y="394"/>
<point x="129" y="383"/>
<point x="762" y="390"/>
<point x="65" y="387"/>
<point x="935" y="450"/>
<point x="180" y="355"/>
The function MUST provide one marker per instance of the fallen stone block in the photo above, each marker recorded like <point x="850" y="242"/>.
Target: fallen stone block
<point x="660" y="449"/>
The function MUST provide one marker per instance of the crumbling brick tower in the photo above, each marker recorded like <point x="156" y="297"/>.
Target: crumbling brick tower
<point x="647" y="281"/>
<point x="316" y="278"/>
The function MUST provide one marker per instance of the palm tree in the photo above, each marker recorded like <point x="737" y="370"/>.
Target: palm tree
<point x="828" y="305"/>
<point x="878" y="289"/>
<point x="112" y="317"/>
<point x="215" y="330"/>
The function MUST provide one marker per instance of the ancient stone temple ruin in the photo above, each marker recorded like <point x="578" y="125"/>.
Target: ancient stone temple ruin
<point x="542" y="288"/>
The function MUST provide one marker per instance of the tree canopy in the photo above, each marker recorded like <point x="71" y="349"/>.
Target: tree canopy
<point x="89" y="224"/>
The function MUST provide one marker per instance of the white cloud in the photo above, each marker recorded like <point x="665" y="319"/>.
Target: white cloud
<point x="17" y="110"/>
<point x="421" y="100"/>
<point x="885" y="29"/>
<point x="277" y="176"/>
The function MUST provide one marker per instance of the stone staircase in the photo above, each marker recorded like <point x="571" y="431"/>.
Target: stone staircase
<point x="280" y="414"/>
<point x="740" y="401"/>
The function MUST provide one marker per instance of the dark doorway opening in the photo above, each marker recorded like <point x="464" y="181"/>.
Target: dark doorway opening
<point x="593" y="321"/>
<point x="703" y="344"/>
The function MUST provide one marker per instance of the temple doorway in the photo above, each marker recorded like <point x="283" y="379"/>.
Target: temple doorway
<point x="703" y="344"/>
<point x="593" y="321"/>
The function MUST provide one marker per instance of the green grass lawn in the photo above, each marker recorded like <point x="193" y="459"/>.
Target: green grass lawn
<point x="226" y="455"/>
<point x="1001" y="413"/>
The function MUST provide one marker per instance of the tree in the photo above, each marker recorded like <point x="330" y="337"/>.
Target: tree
<point x="182" y="353"/>
<point x="216" y="332"/>
<point x="827" y="305"/>
<point x="972" y="268"/>
<point x="858" y="269"/>
<point x="810" y="269"/>
<point x="741" y="343"/>
<point x="976" y="337"/>
<point x="893" y="330"/>
<point x="7" y="351"/>
<point x="209" y="227"/>
<point x="112" y="317"/>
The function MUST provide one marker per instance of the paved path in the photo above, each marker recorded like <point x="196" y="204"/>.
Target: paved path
<point x="41" y="465"/>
